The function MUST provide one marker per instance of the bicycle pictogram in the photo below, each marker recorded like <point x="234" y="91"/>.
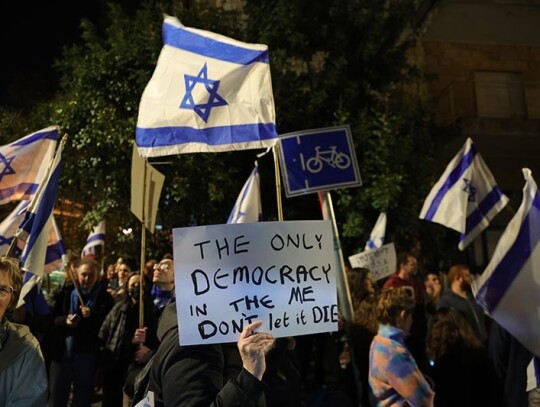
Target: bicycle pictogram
<point x="332" y="157"/>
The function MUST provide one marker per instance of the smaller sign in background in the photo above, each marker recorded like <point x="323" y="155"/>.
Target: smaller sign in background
<point x="380" y="262"/>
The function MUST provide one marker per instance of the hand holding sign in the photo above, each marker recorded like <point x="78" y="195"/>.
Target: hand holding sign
<point x="253" y="347"/>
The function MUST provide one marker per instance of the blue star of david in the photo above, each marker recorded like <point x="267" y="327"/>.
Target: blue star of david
<point x="8" y="169"/>
<point x="211" y="86"/>
<point x="469" y="189"/>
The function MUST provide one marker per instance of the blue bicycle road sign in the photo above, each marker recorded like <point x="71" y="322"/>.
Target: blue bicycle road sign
<point x="318" y="160"/>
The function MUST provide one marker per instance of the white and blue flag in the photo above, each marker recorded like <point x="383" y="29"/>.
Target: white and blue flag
<point x="248" y="206"/>
<point x="466" y="197"/>
<point x="376" y="238"/>
<point x="208" y="93"/>
<point x="24" y="163"/>
<point x="95" y="238"/>
<point x="509" y="288"/>
<point x="8" y="228"/>
<point x="35" y="228"/>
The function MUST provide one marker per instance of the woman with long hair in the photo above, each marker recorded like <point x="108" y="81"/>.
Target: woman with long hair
<point x="462" y="372"/>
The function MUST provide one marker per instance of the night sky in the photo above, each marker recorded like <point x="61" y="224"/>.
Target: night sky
<point x="32" y="35"/>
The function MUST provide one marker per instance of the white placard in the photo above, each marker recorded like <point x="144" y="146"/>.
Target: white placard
<point x="226" y="276"/>
<point x="380" y="262"/>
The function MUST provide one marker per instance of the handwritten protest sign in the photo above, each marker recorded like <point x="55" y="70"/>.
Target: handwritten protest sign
<point x="227" y="276"/>
<point x="381" y="262"/>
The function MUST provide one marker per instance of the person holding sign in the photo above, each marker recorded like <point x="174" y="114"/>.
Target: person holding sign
<point x="394" y="376"/>
<point x="198" y="375"/>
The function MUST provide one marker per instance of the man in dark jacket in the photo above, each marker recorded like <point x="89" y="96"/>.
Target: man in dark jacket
<point x="459" y="297"/>
<point x="198" y="375"/>
<point x="77" y="319"/>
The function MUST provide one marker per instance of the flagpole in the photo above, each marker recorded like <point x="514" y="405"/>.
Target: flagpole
<point x="11" y="247"/>
<point x="344" y="295"/>
<point x="75" y="284"/>
<point x="278" y="182"/>
<point x="143" y="248"/>
<point x="343" y="286"/>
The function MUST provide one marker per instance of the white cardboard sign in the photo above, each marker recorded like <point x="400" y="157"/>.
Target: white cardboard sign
<point x="380" y="262"/>
<point x="227" y="276"/>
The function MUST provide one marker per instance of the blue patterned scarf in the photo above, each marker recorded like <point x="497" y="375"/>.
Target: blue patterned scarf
<point x="89" y="298"/>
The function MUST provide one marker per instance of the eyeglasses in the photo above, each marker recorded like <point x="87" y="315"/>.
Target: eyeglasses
<point x="6" y="290"/>
<point x="162" y="266"/>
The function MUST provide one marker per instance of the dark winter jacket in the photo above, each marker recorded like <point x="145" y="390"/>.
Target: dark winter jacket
<point x="198" y="375"/>
<point x="465" y="377"/>
<point x="85" y="335"/>
<point x="469" y="308"/>
<point x="117" y="331"/>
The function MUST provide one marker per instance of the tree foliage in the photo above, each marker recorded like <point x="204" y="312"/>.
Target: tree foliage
<point x="102" y="80"/>
<point x="348" y="62"/>
<point x="333" y="62"/>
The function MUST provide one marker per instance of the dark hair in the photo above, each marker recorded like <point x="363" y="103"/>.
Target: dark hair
<point x="403" y="258"/>
<point x="87" y="261"/>
<point x="356" y="278"/>
<point x="362" y="272"/>
<point x="456" y="271"/>
<point x="430" y="273"/>
<point x="449" y="329"/>
<point x="167" y="256"/>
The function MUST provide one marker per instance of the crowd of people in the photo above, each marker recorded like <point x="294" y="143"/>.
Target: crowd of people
<point x="415" y="339"/>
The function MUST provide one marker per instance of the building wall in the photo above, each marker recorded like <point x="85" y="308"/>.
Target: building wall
<point x="484" y="58"/>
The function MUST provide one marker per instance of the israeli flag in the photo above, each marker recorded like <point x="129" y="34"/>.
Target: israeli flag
<point x="95" y="238"/>
<point x="54" y="260"/>
<point x="34" y="230"/>
<point x="509" y="288"/>
<point x="376" y="238"/>
<point x="8" y="228"/>
<point x="466" y="198"/>
<point x="208" y="93"/>
<point x="24" y="163"/>
<point x="248" y="206"/>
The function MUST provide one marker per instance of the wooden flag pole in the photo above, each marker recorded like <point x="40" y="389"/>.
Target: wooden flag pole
<point x="143" y="249"/>
<point x="278" y="182"/>
<point x="75" y="283"/>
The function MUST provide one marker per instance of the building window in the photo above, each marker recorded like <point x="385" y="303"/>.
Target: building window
<point x="499" y="94"/>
